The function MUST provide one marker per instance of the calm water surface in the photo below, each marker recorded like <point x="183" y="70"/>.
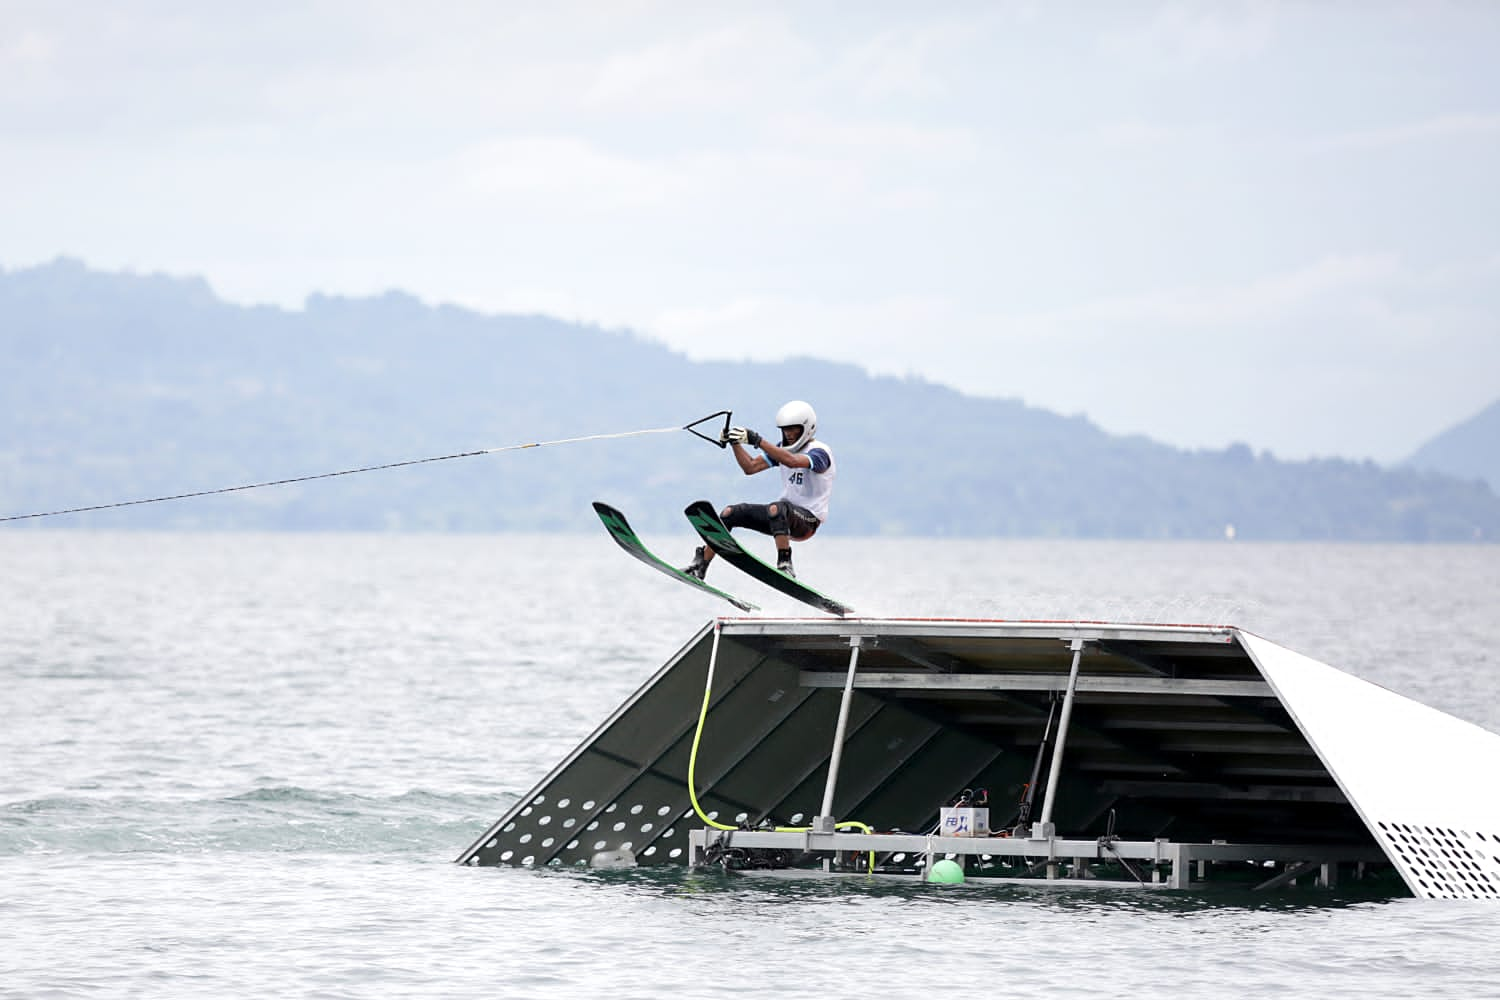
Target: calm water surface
<point x="242" y="765"/>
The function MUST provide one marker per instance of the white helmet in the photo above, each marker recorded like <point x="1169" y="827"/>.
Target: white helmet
<point x="798" y="414"/>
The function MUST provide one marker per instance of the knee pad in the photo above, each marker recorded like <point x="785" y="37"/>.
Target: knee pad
<point x="754" y="516"/>
<point x="777" y="519"/>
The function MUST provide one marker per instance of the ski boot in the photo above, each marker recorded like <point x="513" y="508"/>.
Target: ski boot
<point x="699" y="566"/>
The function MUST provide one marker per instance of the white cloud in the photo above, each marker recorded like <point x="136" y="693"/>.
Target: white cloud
<point x="568" y="173"/>
<point x="858" y="139"/>
<point x="1438" y="127"/>
<point x="1135" y="134"/>
<point x="884" y="335"/>
<point x="1183" y="35"/>
<point x="893" y="64"/>
<point x="1271" y="297"/>
<point x="718" y="68"/>
<point x="921" y="57"/>
<point x="26" y="50"/>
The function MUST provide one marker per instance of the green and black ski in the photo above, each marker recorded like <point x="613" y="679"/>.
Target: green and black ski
<point x="622" y="533"/>
<point x="706" y="520"/>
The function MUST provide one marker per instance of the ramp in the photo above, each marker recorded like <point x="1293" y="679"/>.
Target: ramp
<point x="1176" y="756"/>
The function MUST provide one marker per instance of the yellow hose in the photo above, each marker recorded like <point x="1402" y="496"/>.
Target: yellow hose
<point x="698" y="735"/>
<point x="693" y="765"/>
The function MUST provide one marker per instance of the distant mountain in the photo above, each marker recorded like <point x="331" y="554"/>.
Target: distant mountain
<point x="1470" y="450"/>
<point x="118" y="387"/>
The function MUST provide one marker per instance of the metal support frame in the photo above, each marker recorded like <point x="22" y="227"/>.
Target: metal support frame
<point x="824" y="821"/>
<point x="1176" y="861"/>
<point x="1043" y="828"/>
<point x="889" y="680"/>
<point x="1236" y="735"/>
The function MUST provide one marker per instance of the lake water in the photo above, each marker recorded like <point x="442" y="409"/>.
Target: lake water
<point x="243" y="764"/>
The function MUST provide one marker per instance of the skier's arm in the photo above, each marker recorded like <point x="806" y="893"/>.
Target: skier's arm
<point x="781" y="456"/>
<point x="749" y="464"/>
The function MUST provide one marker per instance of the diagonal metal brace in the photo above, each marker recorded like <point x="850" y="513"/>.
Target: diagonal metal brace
<point x="1288" y="876"/>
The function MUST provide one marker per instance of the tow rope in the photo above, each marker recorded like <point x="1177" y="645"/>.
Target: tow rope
<point x="691" y="428"/>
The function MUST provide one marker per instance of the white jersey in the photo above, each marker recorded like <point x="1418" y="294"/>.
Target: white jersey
<point x="812" y="487"/>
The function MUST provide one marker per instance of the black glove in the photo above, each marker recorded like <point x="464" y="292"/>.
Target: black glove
<point x="743" y="435"/>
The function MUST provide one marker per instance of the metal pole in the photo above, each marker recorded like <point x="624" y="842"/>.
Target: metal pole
<point x="824" y="821"/>
<point x="1044" y="826"/>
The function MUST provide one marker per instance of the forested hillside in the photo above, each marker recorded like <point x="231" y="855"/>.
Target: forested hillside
<point x="119" y="387"/>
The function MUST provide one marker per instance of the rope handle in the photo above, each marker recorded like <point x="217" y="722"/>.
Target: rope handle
<point x="723" y="439"/>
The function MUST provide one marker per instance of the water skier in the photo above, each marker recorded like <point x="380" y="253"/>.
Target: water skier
<point x="807" y="473"/>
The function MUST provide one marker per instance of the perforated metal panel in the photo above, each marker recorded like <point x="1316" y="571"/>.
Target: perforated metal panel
<point x="1446" y="863"/>
<point x="1422" y="780"/>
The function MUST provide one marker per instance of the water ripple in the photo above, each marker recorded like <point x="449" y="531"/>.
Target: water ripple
<point x="241" y="765"/>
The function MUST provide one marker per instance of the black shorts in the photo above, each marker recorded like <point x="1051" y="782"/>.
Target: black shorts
<point x="790" y="519"/>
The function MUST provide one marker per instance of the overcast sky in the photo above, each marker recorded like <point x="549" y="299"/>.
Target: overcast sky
<point x="1276" y="223"/>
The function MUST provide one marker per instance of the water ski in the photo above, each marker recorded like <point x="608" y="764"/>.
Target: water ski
<point x="706" y="521"/>
<point x="621" y="531"/>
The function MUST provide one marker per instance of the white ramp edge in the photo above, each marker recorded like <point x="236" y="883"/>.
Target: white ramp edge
<point x="1426" y="784"/>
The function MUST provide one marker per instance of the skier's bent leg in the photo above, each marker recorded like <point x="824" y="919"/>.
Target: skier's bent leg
<point x="754" y="516"/>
